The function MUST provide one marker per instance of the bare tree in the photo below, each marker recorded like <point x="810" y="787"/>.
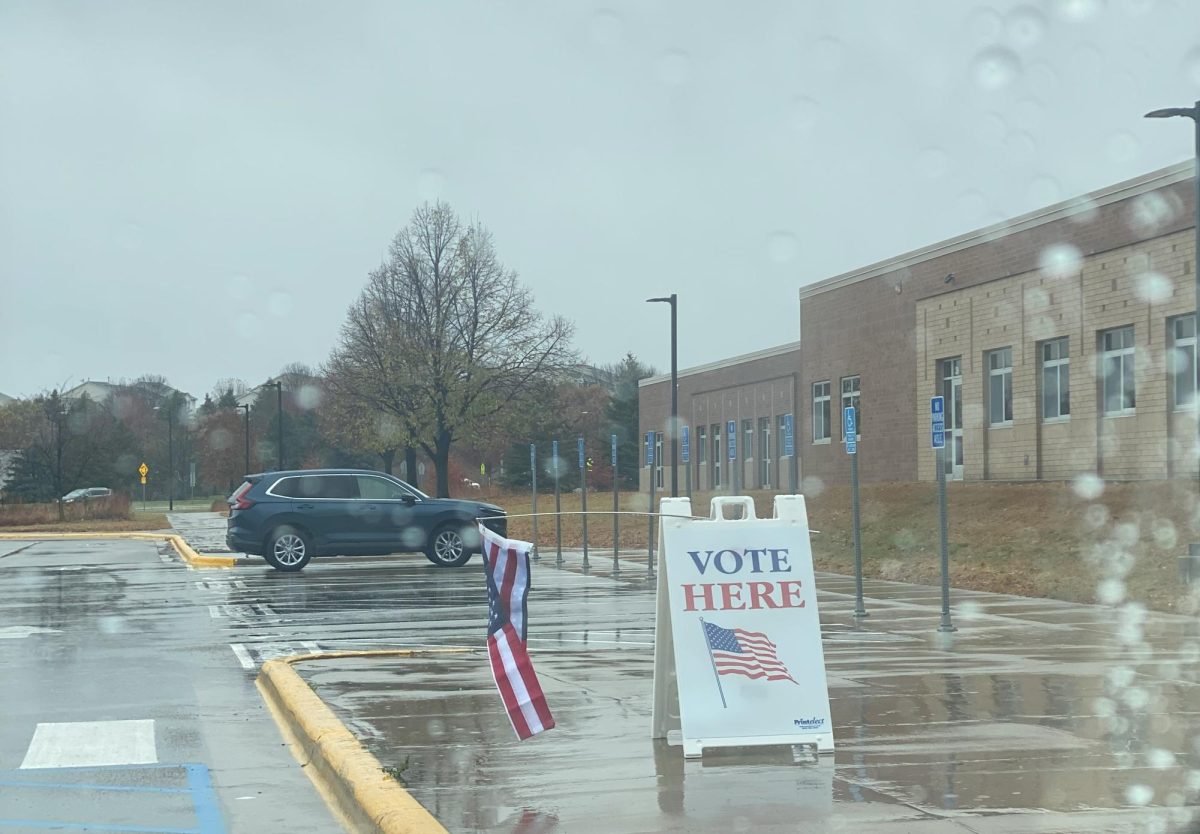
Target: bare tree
<point x="444" y="337"/>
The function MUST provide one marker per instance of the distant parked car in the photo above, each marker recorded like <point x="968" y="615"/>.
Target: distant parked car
<point x="290" y="517"/>
<point x="86" y="494"/>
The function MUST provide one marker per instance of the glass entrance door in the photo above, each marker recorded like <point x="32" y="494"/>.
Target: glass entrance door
<point x="952" y="391"/>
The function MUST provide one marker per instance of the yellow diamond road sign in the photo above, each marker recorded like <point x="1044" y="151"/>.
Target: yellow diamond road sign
<point x="143" y="470"/>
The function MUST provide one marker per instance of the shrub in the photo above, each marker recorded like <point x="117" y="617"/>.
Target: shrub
<point x="111" y="507"/>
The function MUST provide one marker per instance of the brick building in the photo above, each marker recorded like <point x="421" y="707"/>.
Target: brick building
<point x="755" y="391"/>
<point x="1063" y="341"/>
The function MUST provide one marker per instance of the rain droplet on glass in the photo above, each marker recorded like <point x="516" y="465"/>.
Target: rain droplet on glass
<point x="1122" y="147"/>
<point x="933" y="162"/>
<point x="606" y="28"/>
<point x="674" y="68"/>
<point x="1060" y="260"/>
<point x="279" y="304"/>
<point x="1025" y="26"/>
<point x="1077" y="10"/>
<point x="995" y="68"/>
<point x="1153" y="287"/>
<point x="782" y="247"/>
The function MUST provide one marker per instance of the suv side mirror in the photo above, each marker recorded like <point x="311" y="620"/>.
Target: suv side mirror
<point x="409" y="500"/>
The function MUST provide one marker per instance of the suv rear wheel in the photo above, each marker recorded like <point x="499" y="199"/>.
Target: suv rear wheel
<point x="446" y="547"/>
<point x="288" y="549"/>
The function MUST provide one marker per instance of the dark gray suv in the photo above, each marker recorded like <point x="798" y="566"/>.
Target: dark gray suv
<point x="289" y="517"/>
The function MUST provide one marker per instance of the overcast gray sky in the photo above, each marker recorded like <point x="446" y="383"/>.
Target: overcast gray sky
<point x="198" y="189"/>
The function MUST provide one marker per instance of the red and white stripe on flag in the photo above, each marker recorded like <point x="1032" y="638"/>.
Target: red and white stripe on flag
<point x="518" y="685"/>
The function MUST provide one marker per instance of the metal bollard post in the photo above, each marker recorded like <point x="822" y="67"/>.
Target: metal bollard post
<point x="533" y="476"/>
<point x="558" y="559"/>
<point x="616" y="509"/>
<point x="651" y="439"/>
<point x="583" y="496"/>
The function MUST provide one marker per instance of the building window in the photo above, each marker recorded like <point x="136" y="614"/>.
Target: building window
<point x="1184" y="373"/>
<point x="701" y="446"/>
<point x="716" y="454"/>
<point x="850" y="399"/>
<point x="1116" y="355"/>
<point x="1056" y="380"/>
<point x="748" y="437"/>
<point x="820" y="405"/>
<point x="999" y="364"/>
<point x="764" y="452"/>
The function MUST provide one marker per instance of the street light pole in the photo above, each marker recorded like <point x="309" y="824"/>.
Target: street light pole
<point x="1192" y="113"/>
<point x="279" y="402"/>
<point x="246" y="407"/>
<point x="58" y="465"/>
<point x="171" y="455"/>
<point x="673" y="433"/>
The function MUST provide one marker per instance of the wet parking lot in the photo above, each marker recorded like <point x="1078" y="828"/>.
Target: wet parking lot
<point x="1034" y="716"/>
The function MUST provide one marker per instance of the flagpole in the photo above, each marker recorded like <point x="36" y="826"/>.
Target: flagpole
<point x="712" y="660"/>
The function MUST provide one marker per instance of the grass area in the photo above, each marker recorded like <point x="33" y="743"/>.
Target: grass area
<point x="138" y="522"/>
<point x="1112" y="542"/>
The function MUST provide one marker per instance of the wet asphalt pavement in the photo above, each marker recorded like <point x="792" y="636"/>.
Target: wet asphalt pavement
<point x="1035" y="716"/>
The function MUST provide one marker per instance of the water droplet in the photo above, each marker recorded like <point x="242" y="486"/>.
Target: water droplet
<point x="993" y="128"/>
<point x="1025" y="26"/>
<point x="1078" y="10"/>
<point x="782" y="247"/>
<point x="674" y="68"/>
<point x="1122" y="147"/>
<point x="972" y="204"/>
<point x="1164" y="534"/>
<point x="970" y="610"/>
<point x="1160" y="759"/>
<point x="1104" y="707"/>
<point x="1139" y="794"/>
<point x="431" y="184"/>
<point x="1110" y="592"/>
<point x="237" y="287"/>
<point x="812" y="486"/>
<point x="247" y="325"/>
<point x="279" y="304"/>
<point x="1021" y="144"/>
<point x="1191" y="66"/>
<point x="606" y="28"/>
<point x="308" y="397"/>
<point x="1060" y="260"/>
<point x="220" y="439"/>
<point x="933" y="162"/>
<point x="1089" y="487"/>
<point x="995" y="68"/>
<point x="1044" y="189"/>
<point x="804" y="113"/>
<point x="1153" y="287"/>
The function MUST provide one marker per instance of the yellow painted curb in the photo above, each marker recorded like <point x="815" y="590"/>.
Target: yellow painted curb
<point x="350" y="779"/>
<point x="184" y="550"/>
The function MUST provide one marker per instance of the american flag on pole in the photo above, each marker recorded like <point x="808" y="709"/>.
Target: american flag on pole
<point x="506" y="564"/>
<point x="736" y="651"/>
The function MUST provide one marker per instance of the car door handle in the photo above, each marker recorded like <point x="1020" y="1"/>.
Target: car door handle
<point x="305" y="507"/>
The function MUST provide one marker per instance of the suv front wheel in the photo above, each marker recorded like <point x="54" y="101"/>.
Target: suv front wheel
<point x="288" y="549"/>
<point x="446" y="548"/>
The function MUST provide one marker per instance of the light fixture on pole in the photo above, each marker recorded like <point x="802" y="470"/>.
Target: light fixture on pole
<point x="246" y="407"/>
<point x="673" y="432"/>
<point x="1192" y="113"/>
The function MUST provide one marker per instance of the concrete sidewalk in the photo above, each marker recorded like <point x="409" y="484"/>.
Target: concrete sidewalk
<point x="1036" y="716"/>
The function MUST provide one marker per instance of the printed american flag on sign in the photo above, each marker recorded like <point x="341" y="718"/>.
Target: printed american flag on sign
<point x="736" y="651"/>
<point x="506" y="565"/>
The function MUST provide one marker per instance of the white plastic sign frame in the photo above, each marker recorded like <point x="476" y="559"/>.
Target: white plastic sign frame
<point x="737" y="655"/>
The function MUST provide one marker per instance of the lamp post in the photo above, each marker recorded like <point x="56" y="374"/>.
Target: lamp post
<point x="279" y="402"/>
<point x="170" y="452"/>
<point x="246" y="407"/>
<point x="58" y="442"/>
<point x="1192" y="113"/>
<point x="672" y="299"/>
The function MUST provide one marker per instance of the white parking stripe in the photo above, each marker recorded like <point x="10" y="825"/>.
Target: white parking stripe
<point x="243" y="656"/>
<point x="92" y="744"/>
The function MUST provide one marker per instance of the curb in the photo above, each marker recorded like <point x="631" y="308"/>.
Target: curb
<point x="347" y="775"/>
<point x="184" y="550"/>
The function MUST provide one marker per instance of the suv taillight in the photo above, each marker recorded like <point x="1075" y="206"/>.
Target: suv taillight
<point x="239" y="501"/>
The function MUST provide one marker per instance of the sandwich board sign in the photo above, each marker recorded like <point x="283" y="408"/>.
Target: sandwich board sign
<point x="737" y="653"/>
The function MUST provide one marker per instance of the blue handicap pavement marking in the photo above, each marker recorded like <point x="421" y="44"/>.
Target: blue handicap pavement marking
<point x="205" y="812"/>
